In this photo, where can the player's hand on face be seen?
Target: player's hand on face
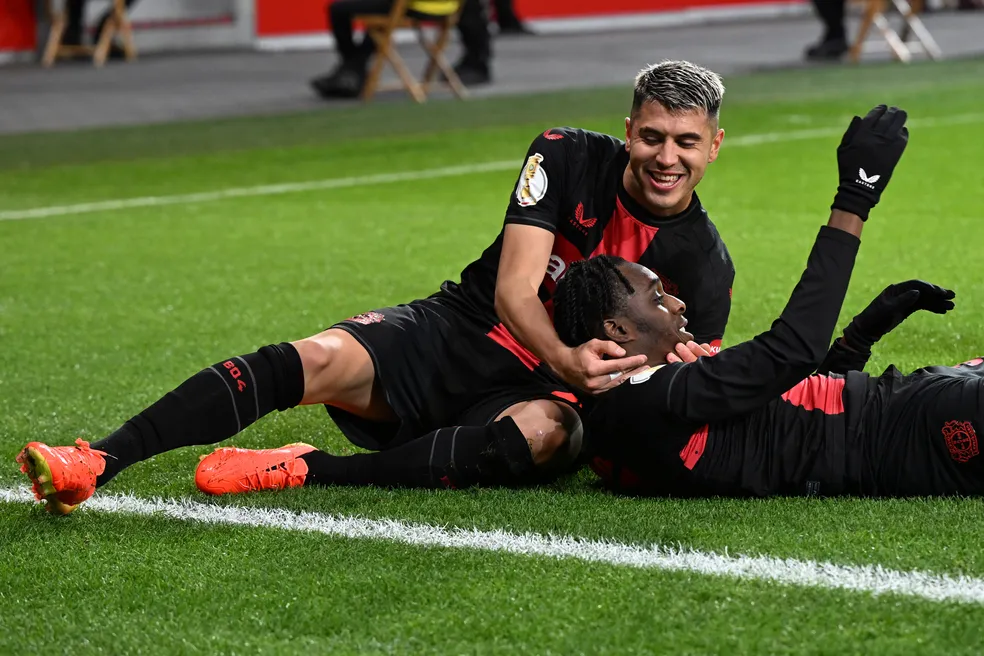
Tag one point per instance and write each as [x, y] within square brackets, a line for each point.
[588, 369]
[866, 158]
[688, 352]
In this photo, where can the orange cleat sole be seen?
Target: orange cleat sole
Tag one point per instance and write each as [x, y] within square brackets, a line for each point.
[36, 467]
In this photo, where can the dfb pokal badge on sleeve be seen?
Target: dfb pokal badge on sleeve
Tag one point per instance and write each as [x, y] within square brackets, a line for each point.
[532, 185]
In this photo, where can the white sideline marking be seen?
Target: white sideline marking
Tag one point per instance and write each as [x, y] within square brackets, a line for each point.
[405, 176]
[260, 190]
[873, 579]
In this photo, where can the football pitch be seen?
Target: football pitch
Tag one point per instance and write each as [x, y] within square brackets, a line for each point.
[132, 258]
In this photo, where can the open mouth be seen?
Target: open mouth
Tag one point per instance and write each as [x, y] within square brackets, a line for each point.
[665, 181]
[682, 330]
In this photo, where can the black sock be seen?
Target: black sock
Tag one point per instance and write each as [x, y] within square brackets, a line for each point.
[213, 405]
[455, 457]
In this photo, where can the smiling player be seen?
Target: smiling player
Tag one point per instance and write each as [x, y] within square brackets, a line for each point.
[471, 385]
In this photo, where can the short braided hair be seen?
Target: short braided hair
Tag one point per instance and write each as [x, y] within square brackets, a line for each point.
[679, 86]
[590, 292]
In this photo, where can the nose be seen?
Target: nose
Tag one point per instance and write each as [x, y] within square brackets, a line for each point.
[668, 155]
[676, 305]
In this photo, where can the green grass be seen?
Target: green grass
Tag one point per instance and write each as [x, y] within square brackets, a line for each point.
[102, 313]
[177, 588]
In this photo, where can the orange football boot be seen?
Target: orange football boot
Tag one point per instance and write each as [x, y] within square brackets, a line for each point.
[231, 471]
[65, 476]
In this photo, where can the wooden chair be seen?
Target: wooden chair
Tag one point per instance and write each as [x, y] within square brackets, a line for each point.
[380, 28]
[118, 23]
[914, 39]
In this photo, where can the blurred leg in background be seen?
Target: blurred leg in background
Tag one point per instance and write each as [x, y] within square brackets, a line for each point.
[349, 76]
[834, 44]
[74, 9]
[475, 65]
[507, 20]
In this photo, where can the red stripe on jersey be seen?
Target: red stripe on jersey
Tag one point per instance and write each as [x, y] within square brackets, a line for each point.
[564, 252]
[501, 336]
[567, 396]
[694, 449]
[818, 392]
[625, 236]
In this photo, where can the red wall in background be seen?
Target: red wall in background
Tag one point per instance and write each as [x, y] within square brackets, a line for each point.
[588, 8]
[277, 17]
[17, 25]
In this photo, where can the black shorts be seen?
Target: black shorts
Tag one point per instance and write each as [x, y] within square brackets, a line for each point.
[921, 432]
[440, 365]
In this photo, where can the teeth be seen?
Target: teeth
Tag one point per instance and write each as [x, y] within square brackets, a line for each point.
[665, 178]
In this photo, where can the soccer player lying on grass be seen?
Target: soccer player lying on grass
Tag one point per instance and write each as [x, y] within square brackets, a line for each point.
[752, 420]
[482, 356]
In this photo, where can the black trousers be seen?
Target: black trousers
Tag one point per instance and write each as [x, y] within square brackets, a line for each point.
[505, 15]
[473, 28]
[342, 12]
[831, 12]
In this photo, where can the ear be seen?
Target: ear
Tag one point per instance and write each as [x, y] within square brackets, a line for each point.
[628, 131]
[618, 330]
[715, 146]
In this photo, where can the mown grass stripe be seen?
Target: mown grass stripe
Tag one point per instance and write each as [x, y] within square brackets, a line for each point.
[406, 176]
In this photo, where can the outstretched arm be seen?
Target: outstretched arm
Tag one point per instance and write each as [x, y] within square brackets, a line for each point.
[884, 314]
[745, 377]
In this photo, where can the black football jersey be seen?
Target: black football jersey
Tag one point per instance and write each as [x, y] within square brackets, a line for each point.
[749, 421]
[571, 185]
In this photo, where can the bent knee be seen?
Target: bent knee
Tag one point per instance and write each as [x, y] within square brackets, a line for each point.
[321, 351]
[336, 366]
[552, 430]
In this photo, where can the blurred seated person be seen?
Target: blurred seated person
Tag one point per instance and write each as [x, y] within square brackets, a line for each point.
[506, 18]
[349, 76]
[474, 67]
[833, 45]
[74, 19]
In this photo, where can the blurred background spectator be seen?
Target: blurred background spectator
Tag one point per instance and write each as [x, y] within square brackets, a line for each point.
[349, 76]
[833, 44]
[475, 65]
[506, 19]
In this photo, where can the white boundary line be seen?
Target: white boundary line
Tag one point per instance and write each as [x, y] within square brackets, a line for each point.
[872, 579]
[407, 176]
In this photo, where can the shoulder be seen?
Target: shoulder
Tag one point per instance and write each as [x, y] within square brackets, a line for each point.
[571, 138]
[638, 397]
[711, 242]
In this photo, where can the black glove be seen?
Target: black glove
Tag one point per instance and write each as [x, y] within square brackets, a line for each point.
[866, 157]
[892, 307]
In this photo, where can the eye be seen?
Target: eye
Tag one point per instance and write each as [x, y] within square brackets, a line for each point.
[688, 144]
[658, 298]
